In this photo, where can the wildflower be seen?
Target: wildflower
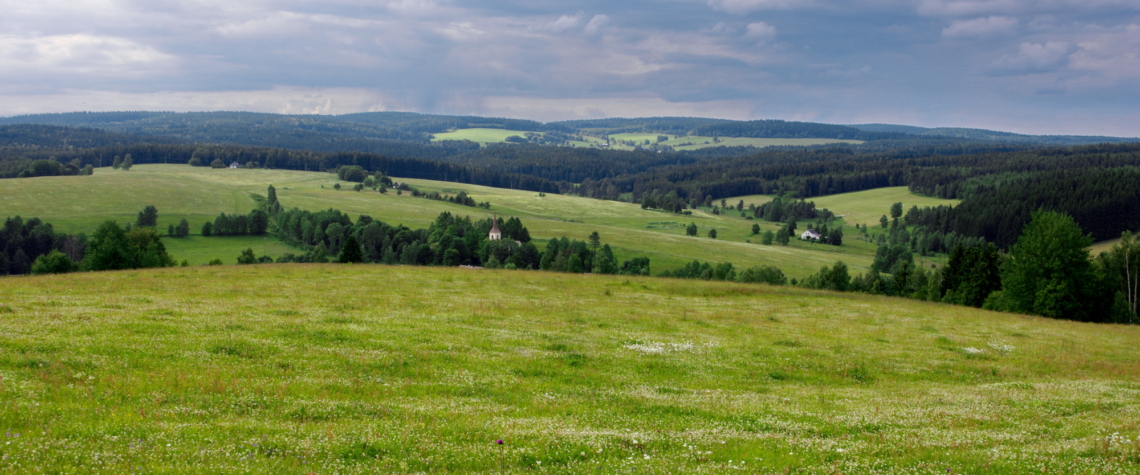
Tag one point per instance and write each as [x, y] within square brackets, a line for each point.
[500, 441]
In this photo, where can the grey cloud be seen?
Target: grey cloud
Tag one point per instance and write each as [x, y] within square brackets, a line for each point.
[760, 31]
[980, 27]
[746, 6]
[1035, 58]
[596, 23]
[813, 60]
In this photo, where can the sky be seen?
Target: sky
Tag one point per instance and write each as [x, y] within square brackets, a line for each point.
[1028, 66]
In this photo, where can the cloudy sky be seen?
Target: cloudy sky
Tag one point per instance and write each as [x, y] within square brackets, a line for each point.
[1032, 66]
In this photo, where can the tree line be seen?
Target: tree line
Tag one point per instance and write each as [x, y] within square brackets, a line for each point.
[293, 160]
[1048, 271]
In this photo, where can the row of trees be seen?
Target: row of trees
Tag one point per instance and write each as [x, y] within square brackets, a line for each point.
[404, 166]
[49, 167]
[255, 223]
[725, 271]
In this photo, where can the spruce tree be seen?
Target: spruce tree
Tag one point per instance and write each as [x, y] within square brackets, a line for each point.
[350, 252]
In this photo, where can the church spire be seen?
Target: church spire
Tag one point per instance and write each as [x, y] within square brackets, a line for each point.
[495, 234]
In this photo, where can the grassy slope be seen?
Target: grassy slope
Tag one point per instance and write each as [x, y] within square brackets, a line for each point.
[680, 142]
[375, 369]
[866, 207]
[79, 204]
[482, 136]
[1104, 246]
[198, 250]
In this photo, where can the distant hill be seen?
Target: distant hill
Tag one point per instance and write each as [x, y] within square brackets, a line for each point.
[34, 136]
[992, 135]
[408, 134]
[728, 128]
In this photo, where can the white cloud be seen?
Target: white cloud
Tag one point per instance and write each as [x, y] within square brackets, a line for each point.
[78, 53]
[276, 24]
[760, 31]
[412, 6]
[1113, 54]
[980, 27]
[596, 23]
[565, 22]
[966, 7]
[281, 100]
[694, 45]
[745, 6]
[1042, 55]
[643, 105]
[461, 31]
[721, 28]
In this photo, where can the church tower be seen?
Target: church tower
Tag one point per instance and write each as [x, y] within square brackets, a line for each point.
[495, 234]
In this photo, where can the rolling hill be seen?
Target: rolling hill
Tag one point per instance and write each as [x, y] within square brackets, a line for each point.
[79, 203]
[366, 369]
[992, 135]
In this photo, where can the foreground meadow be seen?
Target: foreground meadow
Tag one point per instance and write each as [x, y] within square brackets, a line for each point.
[377, 369]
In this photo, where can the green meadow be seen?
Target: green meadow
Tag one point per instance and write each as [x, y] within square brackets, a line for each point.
[376, 369]
[694, 142]
[482, 136]
[198, 250]
[867, 207]
[485, 136]
[79, 203]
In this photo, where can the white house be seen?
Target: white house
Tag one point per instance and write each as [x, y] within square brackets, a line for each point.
[810, 234]
[235, 165]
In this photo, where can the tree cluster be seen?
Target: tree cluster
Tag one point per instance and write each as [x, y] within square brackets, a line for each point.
[1048, 271]
[113, 247]
[22, 243]
[255, 223]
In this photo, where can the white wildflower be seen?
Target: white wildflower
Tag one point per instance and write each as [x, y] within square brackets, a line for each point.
[1001, 348]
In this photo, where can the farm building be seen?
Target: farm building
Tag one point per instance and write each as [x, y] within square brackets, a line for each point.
[810, 234]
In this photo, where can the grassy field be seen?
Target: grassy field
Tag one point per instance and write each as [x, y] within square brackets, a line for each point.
[866, 207]
[79, 204]
[198, 250]
[748, 200]
[1104, 246]
[678, 142]
[681, 142]
[482, 136]
[376, 369]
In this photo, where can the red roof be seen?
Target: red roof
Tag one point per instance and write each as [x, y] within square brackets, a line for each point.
[495, 225]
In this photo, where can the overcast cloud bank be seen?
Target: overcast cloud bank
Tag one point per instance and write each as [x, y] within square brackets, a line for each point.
[1042, 66]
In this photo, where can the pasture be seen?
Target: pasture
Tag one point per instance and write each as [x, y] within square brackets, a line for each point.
[376, 369]
[866, 207]
[693, 142]
[79, 203]
[198, 250]
[697, 142]
[485, 136]
[482, 136]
